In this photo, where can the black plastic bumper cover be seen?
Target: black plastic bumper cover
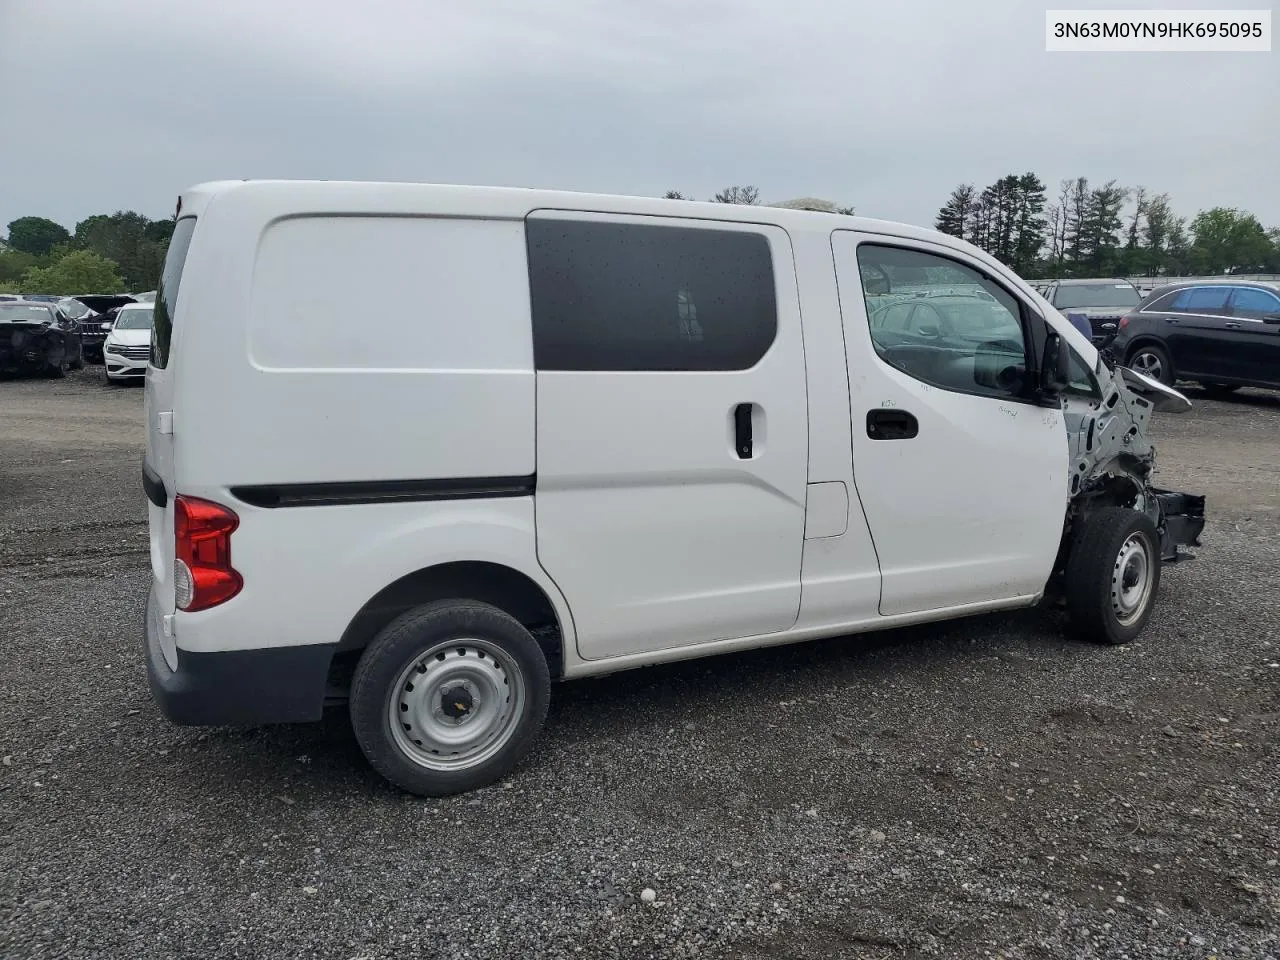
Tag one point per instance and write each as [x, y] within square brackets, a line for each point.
[239, 687]
[1182, 521]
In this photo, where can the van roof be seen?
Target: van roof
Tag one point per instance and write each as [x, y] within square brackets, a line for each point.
[501, 202]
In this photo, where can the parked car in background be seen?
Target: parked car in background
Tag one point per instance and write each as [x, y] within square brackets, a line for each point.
[37, 337]
[42, 297]
[1102, 302]
[1221, 334]
[95, 324]
[128, 345]
[148, 297]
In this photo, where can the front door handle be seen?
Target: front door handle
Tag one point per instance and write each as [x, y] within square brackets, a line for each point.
[890, 424]
[1232, 325]
[1172, 320]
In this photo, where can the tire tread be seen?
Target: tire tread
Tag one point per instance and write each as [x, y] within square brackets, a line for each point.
[388, 652]
[1087, 584]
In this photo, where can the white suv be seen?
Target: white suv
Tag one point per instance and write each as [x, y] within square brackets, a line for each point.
[606, 432]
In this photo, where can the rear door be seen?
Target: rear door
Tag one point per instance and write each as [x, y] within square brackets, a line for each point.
[671, 427]
[963, 481]
[1196, 331]
[158, 463]
[1253, 344]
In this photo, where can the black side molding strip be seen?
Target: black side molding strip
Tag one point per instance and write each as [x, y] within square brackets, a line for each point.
[153, 486]
[382, 491]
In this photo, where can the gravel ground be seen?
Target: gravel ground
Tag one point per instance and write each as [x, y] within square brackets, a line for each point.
[982, 788]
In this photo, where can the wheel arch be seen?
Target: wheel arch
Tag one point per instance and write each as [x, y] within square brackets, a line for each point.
[508, 589]
[1148, 339]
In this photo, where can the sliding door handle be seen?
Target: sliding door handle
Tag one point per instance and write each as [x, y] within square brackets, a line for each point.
[743, 442]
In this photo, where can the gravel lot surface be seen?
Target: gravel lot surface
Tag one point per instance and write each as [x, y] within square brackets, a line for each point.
[974, 789]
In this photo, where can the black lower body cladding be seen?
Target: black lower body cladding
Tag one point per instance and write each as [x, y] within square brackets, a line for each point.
[239, 687]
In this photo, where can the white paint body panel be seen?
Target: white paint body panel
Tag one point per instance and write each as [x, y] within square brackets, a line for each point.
[646, 515]
[650, 538]
[971, 509]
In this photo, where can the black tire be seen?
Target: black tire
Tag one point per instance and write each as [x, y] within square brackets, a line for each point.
[57, 370]
[401, 645]
[1148, 358]
[1096, 583]
[78, 362]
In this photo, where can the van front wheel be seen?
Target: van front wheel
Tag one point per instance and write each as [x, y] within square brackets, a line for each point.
[1113, 575]
[449, 697]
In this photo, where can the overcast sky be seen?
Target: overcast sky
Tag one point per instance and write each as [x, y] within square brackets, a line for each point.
[885, 106]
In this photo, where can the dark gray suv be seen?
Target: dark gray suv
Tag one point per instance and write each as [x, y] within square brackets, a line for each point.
[1221, 334]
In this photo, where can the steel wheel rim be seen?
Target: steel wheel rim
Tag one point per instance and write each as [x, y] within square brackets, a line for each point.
[456, 704]
[1131, 579]
[1149, 364]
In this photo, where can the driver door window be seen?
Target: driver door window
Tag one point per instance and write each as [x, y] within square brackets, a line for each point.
[943, 323]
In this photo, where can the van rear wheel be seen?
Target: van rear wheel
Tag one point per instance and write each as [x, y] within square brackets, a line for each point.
[449, 697]
[1113, 575]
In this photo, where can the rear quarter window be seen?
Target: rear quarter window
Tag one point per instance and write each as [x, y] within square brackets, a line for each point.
[167, 291]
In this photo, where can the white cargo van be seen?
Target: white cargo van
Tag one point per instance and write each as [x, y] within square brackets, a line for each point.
[575, 434]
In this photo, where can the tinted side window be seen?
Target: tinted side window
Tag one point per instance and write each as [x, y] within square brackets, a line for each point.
[962, 332]
[1163, 303]
[1201, 299]
[1252, 302]
[167, 291]
[618, 296]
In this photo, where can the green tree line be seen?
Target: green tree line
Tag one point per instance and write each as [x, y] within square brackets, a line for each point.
[1104, 230]
[107, 253]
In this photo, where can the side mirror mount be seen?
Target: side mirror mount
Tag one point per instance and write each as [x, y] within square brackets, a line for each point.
[1055, 366]
[875, 282]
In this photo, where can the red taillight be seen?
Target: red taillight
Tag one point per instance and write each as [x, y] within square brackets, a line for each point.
[203, 575]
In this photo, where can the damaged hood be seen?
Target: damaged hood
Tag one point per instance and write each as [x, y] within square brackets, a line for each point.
[101, 303]
[1162, 398]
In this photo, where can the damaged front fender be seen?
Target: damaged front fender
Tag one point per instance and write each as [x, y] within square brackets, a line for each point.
[1163, 398]
[1113, 458]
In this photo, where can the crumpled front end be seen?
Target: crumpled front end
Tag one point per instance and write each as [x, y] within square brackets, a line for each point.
[1113, 458]
[28, 347]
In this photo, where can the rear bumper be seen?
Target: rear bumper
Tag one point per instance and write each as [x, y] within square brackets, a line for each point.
[1181, 521]
[237, 687]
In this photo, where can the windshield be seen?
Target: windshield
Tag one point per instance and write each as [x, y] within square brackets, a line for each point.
[974, 319]
[24, 313]
[1096, 295]
[73, 308]
[134, 318]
